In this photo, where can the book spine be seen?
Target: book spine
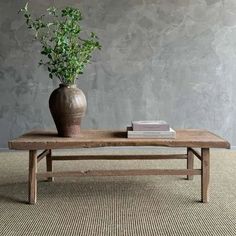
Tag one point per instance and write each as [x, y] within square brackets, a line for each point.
[152, 132]
[137, 134]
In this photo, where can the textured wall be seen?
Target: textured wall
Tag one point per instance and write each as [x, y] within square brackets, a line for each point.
[161, 59]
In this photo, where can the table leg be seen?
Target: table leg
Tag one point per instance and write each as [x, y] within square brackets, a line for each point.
[205, 176]
[32, 184]
[190, 162]
[49, 165]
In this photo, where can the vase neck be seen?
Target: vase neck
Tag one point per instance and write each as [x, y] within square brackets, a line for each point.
[68, 85]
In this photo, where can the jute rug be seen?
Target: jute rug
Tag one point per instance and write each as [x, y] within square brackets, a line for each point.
[147, 205]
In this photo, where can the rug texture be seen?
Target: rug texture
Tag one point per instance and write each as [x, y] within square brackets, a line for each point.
[115, 206]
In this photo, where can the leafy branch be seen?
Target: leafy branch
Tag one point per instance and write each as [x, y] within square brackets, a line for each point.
[65, 52]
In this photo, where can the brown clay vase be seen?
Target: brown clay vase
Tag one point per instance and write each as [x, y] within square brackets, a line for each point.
[67, 105]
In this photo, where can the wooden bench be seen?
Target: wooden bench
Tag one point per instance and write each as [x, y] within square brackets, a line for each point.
[48, 140]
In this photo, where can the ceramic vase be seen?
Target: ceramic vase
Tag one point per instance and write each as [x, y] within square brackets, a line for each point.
[67, 105]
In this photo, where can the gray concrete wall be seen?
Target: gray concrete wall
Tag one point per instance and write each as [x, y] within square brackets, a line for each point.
[161, 59]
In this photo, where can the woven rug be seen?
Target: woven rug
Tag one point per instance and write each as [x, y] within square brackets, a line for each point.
[130, 206]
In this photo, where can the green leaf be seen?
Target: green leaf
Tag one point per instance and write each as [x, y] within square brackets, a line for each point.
[41, 62]
[93, 35]
[44, 52]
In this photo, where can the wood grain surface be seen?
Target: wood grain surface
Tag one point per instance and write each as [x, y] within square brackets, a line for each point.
[48, 139]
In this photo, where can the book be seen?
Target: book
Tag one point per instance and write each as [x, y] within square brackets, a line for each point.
[150, 125]
[170, 134]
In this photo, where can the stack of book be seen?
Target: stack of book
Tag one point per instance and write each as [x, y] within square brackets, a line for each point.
[150, 129]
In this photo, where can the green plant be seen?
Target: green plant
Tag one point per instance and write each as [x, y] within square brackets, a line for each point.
[65, 52]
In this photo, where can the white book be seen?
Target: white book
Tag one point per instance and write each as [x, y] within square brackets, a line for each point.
[150, 125]
[151, 134]
[149, 122]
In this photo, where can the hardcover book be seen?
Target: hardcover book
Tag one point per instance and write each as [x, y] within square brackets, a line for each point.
[150, 125]
[171, 134]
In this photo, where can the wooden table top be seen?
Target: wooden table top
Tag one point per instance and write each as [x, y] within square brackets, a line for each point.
[48, 139]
